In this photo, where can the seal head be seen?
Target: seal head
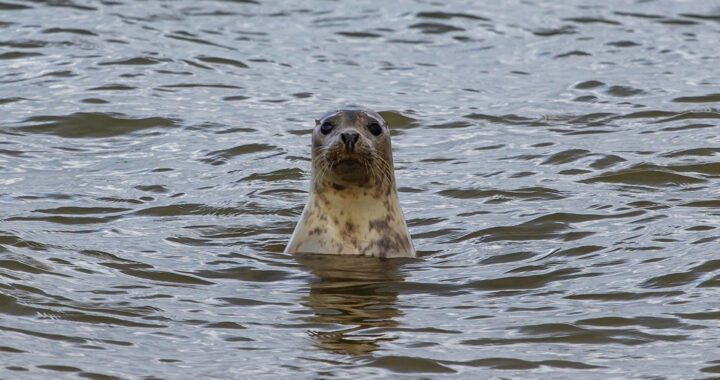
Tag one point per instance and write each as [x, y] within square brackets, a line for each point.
[353, 206]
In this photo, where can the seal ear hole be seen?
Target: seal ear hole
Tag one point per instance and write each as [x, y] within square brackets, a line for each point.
[375, 128]
[326, 127]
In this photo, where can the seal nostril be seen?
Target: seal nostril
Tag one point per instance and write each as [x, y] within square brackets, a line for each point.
[349, 139]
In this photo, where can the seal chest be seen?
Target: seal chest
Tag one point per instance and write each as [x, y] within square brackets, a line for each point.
[353, 207]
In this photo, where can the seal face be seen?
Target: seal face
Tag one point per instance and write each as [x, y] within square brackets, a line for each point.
[353, 207]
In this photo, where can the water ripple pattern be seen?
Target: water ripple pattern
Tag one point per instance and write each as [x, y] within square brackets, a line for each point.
[558, 164]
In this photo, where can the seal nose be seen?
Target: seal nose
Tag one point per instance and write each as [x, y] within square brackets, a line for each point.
[349, 139]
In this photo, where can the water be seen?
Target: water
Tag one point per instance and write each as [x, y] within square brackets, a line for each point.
[557, 164]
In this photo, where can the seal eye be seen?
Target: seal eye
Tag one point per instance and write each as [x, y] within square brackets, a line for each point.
[375, 128]
[326, 127]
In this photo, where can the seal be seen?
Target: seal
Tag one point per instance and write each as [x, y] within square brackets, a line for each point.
[353, 207]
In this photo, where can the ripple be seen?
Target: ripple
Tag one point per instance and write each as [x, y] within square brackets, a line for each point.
[607, 161]
[143, 271]
[710, 98]
[189, 37]
[708, 204]
[24, 44]
[91, 125]
[623, 296]
[451, 125]
[711, 369]
[701, 316]
[592, 20]
[508, 258]
[573, 53]
[622, 44]
[398, 119]
[105, 320]
[221, 157]
[645, 175]
[64, 219]
[578, 251]
[504, 119]
[113, 87]
[691, 115]
[529, 282]
[566, 156]
[201, 85]
[59, 368]
[11, 100]
[676, 21]
[244, 274]
[222, 61]
[530, 194]
[10, 350]
[715, 16]
[670, 280]
[19, 54]
[13, 6]
[551, 32]
[565, 333]
[359, 34]
[589, 84]
[82, 210]
[81, 32]
[638, 15]
[188, 209]
[545, 227]
[235, 98]
[405, 364]
[276, 175]
[702, 152]
[623, 91]
[518, 364]
[435, 28]
[137, 61]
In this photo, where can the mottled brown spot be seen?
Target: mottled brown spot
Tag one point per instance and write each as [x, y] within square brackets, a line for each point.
[399, 241]
[385, 245]
[338, 187]
[316, 231]
[379, 225]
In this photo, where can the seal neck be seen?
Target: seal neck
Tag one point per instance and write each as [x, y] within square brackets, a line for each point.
[372, 189]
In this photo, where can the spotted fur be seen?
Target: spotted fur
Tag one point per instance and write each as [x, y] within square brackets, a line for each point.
[353, 207]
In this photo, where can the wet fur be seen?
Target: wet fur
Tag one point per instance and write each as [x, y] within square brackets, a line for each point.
[352, 210]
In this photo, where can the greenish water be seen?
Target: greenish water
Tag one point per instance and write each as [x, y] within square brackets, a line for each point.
[557, 165]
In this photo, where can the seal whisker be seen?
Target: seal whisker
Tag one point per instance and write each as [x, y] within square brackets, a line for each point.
[383, 167]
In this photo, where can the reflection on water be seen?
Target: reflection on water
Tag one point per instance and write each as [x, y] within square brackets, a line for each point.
[352, 291]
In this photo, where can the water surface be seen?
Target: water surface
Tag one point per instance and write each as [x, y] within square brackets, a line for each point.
[557, 165]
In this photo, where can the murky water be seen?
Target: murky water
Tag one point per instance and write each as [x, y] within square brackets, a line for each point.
[557, 163]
